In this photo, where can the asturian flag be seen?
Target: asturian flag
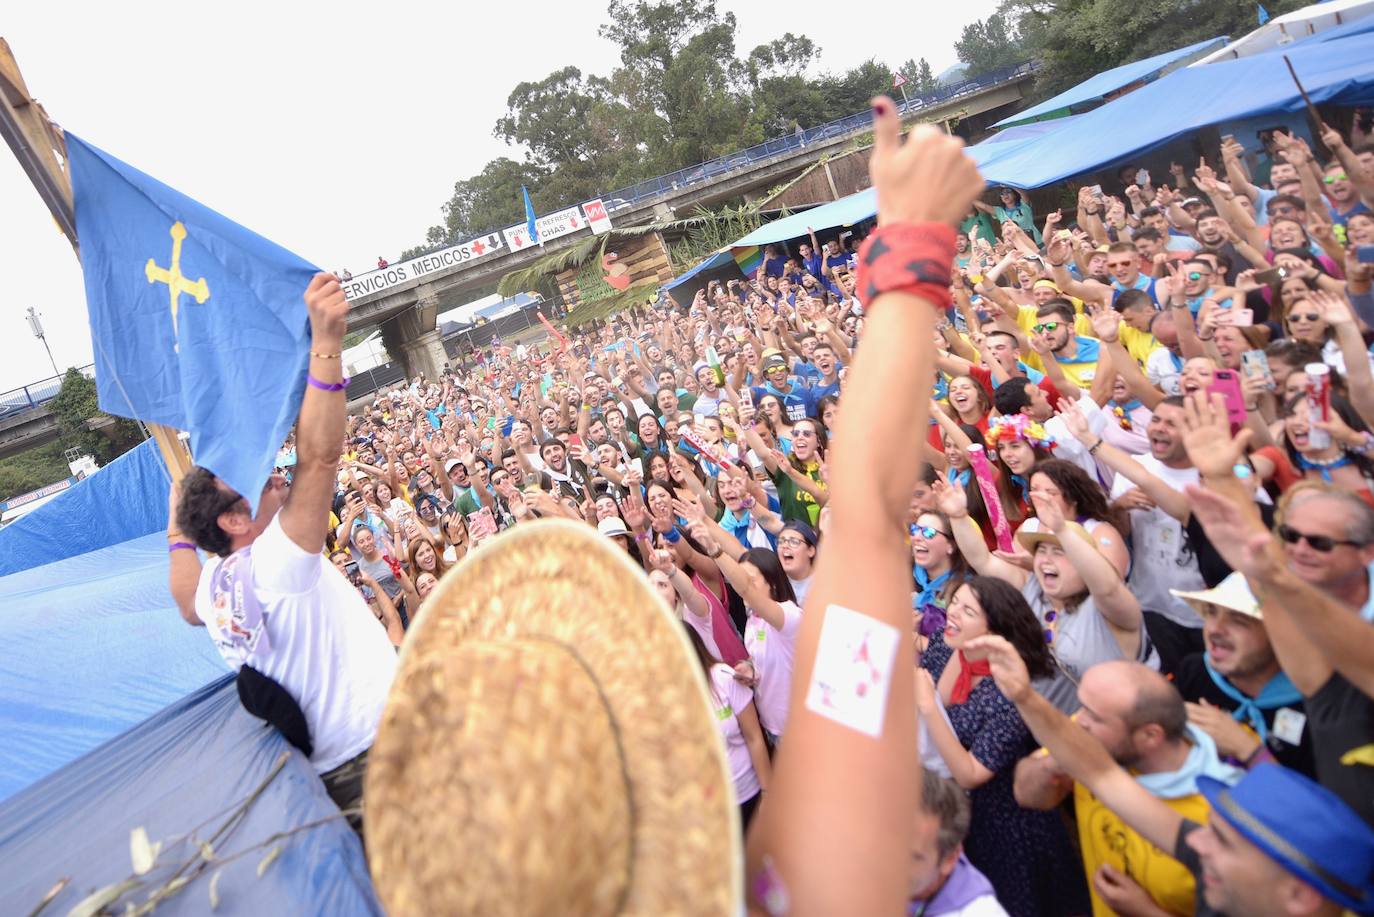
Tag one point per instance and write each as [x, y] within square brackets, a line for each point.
[197, 322]
[530, 225]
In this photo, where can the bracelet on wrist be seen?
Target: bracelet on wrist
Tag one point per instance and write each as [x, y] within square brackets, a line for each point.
[180, 546]
[326, 356]
[1092, 450]
[716, 553]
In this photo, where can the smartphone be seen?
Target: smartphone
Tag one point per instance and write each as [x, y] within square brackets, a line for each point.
[1096, 191]
[1256, 363]
[1226, 383]
[1238, 317]
[1364, 254]
[351, 571]
[1273, 275]
[1142, 177]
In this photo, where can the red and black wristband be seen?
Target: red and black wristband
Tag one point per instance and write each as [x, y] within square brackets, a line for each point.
[915, 258]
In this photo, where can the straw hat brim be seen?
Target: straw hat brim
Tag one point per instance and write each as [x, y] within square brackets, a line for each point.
[1030, 540]
[548, 745]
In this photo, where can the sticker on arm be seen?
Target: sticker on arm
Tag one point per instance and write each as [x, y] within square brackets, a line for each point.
[853, 670]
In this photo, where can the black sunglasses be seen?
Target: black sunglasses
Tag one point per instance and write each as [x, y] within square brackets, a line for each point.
[1323, 543]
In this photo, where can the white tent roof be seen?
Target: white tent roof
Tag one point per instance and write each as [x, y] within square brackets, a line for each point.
[1291, 27]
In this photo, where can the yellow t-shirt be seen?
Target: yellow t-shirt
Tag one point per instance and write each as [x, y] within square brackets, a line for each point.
[1139, 344]
[1105, 838]
[1080, 374]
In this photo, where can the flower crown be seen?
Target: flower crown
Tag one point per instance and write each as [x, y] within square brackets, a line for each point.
[1018, 427]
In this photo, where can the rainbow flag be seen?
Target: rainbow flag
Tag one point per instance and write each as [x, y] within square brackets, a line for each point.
[749, 258]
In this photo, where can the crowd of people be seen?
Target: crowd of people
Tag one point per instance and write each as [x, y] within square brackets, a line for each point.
[1141, 542]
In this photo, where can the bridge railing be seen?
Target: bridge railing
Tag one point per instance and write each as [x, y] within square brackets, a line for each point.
[36, 394]
[731, 162]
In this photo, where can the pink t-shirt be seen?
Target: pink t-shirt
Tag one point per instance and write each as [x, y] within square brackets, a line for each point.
[771, 651]
[716, 630]
[729, 698]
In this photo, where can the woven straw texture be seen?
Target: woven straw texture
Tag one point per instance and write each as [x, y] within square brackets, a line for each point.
[548, 746]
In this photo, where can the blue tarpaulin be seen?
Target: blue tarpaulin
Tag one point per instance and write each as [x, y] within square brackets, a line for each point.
[719, 259]
[189, 765]
[93, 646]
[1104, 84]
[1186, 100]
[123, 500]
[845, 212]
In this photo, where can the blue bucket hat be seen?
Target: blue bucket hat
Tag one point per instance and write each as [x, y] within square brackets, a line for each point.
[1304, 827]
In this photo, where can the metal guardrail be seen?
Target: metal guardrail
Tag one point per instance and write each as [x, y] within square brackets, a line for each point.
[36, 394]
[732, 162]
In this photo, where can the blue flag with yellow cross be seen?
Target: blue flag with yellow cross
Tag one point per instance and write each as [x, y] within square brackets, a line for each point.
[197, 323]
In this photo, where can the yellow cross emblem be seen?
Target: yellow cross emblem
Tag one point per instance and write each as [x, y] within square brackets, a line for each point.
[176, 283]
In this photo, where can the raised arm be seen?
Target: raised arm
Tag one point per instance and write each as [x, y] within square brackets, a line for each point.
[861, 861]
[305, 516]
[183, 575]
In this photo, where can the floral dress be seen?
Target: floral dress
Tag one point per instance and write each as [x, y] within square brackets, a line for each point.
[1024, 853]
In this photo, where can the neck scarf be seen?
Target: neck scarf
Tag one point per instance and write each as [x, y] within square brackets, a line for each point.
[959, 477]
[964, 886]
[1277, 692]
[929, 588]
[1202, 761]
[240, 625]
[1021, 482]
[1324, 468]
[963, 682]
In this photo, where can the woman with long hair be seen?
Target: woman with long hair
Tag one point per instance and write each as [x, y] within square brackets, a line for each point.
[746, 750]
[771, 406]
[801, 489]
[424, 559]
[828, 411]
[1344, 462]
[1087, 613]
[774, 617]
[1080, 499]
[983, 739]
[938, 569]
[1015, 444]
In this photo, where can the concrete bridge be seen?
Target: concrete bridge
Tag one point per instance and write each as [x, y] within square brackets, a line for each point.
[405, 299]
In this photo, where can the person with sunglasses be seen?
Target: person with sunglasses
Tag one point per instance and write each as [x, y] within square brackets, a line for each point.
[938, 569]
[1076, 354]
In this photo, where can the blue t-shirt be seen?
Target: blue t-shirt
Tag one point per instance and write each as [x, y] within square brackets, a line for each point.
[806, 372]
[1339, 217]
[796, 402]
[774, 267]
[819, 390]
[812, 265]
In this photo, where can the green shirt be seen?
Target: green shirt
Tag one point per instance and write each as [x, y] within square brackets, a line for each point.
[797, 504]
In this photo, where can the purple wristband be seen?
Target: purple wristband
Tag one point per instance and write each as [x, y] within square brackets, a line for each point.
[181, 546]
[326, 386]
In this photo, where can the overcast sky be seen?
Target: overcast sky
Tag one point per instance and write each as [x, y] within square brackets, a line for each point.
[336, 130]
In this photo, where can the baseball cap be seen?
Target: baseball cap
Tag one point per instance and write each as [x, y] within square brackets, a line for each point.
[774, 361]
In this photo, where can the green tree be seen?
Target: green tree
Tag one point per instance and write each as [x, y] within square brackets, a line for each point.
[76, 409]
[1075, 39]
[989, 44]
[31, 469]
[919, 76]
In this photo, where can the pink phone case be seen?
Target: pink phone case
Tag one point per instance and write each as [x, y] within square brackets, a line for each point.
[1226, 383]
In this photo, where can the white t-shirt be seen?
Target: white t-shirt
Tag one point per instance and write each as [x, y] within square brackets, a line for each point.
[1163, 372]
[1162, 558]
[1067, 447]
[800, 587]
[328, 650]
[771, 651]
[728, 699]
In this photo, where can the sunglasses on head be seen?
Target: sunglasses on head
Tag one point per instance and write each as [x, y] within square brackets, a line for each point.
[1323, 543]
[1045, 326]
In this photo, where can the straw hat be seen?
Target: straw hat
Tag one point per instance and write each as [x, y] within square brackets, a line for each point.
[548, 745]
[1030, 537]
[1232, 594]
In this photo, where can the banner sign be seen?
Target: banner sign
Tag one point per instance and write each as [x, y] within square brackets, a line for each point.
[597, 217]
[421, 267]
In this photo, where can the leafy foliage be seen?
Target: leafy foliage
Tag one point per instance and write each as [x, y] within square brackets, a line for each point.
[921, 77]
[76, 407]
[1075, 39]
[682, 93]
[990, 44]
[32, 469]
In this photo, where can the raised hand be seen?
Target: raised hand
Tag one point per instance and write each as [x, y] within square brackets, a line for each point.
[925, 179]
[328, 309]
[1208, 440]
[1008, 669]
[1107, 325]
[951, 500]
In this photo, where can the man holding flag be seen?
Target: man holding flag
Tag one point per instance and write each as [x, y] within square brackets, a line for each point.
[311, 658]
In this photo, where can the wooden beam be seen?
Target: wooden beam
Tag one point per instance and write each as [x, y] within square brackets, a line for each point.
[41, 149]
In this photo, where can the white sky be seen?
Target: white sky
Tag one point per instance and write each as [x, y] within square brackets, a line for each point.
[336, 130]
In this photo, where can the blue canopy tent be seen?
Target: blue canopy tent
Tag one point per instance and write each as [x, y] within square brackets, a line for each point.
[117, 714]
[845, 212]
[717, 260]
[1096, 89]
[1186, 100]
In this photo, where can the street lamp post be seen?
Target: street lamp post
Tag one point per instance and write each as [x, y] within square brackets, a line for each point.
[36, 325]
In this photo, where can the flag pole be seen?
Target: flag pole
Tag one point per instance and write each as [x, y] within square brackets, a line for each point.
[36, 142]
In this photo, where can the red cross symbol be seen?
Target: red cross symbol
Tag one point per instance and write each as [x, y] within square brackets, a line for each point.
[478, 248]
